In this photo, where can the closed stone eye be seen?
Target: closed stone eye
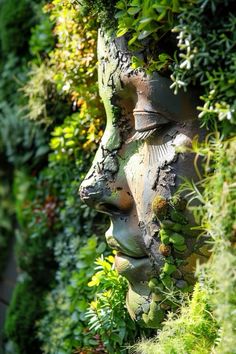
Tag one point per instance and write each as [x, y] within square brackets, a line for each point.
[139, 136]
[146, 124]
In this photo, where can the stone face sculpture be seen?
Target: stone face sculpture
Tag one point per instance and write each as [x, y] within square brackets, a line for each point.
[135, 174]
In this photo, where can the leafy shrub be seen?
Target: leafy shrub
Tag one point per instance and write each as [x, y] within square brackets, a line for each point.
[15, 15]
[13, 72]
[54, 237]
[107, 315]
[73, 60]
[6, 211]
[64, 327]
[207, 56]
[76, 133]
[37, 211]
[23, 142]
[149, 18]
[22, 316]
[44, 105]
[218, 221]
[102, 9]
[41, 41]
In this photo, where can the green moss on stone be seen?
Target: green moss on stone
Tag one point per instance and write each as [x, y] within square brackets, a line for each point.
[160, 207]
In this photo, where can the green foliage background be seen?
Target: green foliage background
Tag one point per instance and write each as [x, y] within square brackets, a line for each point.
[51, 121]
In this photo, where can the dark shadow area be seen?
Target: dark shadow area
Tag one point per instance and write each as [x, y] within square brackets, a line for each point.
[7, 284]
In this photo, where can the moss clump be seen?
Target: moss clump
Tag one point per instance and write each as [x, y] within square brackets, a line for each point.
[165, 250]
[160, 207]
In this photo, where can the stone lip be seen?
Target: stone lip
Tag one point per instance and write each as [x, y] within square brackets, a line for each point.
[125, 236]
[135, 270]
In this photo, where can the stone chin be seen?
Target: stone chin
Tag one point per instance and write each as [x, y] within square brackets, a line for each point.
[140, 301]
[145, 300]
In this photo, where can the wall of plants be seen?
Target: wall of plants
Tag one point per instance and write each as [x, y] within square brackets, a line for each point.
[69, 299]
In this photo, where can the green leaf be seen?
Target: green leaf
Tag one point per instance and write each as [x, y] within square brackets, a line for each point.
[177, 239]
[42, 150]
[121, 14]
[159, 8]
[180, 248]
[133, 10]
[165, 238]
[122, 31]
[135, 3]
[169, 268]
[161, 16]
[144, 22]
[164, 57]
[176, 6]
[144, 34]
[120, 5]
[70, 143]
[136, 62]
[167, 281]
[133, 40]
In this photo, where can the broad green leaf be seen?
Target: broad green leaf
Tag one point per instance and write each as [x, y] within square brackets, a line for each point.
[180, 248]
[121, 14]
[120, 5]
[169, 268]
[136, 2]
[177, 239]
[133, 10]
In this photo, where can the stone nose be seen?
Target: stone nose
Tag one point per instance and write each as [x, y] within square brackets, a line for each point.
[108, 199]
[108, 196]
[94, 190]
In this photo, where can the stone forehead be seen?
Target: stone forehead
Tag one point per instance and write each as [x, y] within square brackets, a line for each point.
[115, 61]
[114, 49]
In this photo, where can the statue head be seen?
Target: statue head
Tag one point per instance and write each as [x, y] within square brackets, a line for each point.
[135, 176]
